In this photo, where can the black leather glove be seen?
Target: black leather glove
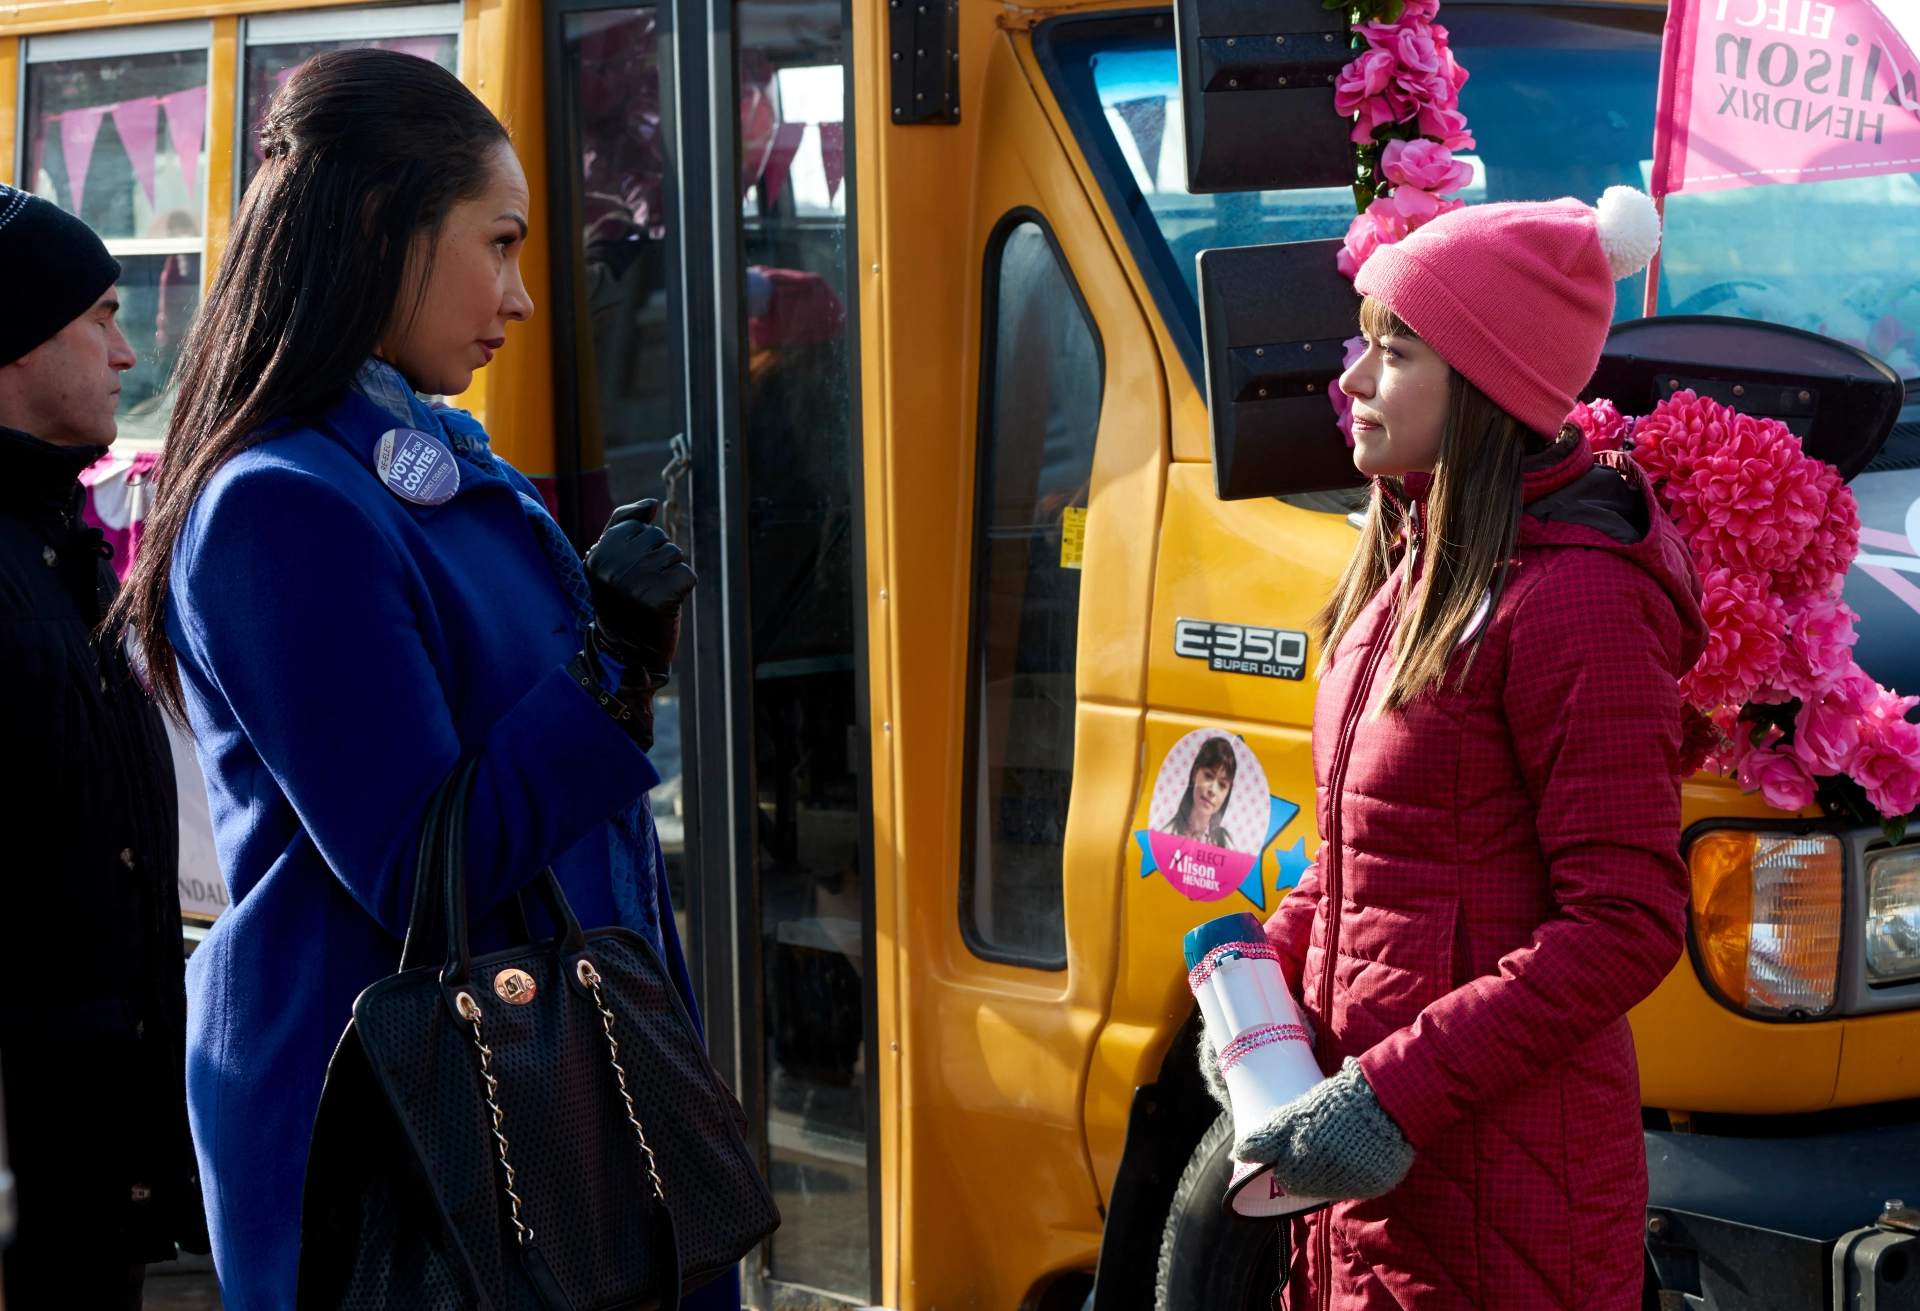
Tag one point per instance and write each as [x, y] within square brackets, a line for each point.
[639, 580]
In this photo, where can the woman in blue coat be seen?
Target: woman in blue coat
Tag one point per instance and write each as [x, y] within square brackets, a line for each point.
[346, 593]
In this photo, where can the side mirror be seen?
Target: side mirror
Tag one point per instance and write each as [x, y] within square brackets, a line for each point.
[1840, 401]
[1274, 321]
[1256, 94]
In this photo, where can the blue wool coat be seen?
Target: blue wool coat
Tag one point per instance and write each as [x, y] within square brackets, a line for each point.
[341, 649]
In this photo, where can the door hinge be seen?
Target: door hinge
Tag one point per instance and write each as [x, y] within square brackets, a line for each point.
[925, 40]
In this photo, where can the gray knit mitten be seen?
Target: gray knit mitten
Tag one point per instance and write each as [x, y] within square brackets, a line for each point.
[1210, 1070]
[1333, 1142]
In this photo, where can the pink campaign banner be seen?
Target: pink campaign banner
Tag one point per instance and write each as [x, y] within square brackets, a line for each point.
[1755, 91]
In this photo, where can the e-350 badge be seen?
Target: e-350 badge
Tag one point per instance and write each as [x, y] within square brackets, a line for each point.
[1242, 648]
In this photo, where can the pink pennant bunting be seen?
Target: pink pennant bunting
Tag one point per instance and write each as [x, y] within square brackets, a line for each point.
[79, 129]
[139, 125]
[758, 124]
[786, 143]
[186, 123]
[833, 154]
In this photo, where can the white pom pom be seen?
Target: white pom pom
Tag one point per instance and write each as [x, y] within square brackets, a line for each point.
[1629, 230]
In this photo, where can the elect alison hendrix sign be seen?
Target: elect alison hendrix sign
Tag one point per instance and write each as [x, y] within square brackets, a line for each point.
[1808, 79]
[1242, 648]
[1769, 91]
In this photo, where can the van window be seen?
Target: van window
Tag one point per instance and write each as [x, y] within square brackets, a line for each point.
[619, 363]
[1039, 410]
[1560, 98]
[278, 44]
[800, 444]
[114, 128]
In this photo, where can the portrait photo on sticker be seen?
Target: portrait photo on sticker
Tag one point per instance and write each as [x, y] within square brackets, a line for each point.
[1212, 792]
[1209, 818]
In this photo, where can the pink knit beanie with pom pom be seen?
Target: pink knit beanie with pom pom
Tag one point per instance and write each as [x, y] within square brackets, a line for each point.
[1518, 296]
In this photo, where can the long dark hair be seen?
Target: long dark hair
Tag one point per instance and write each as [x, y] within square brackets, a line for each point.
[1215, 753]
[366, 151]
[1473, 514]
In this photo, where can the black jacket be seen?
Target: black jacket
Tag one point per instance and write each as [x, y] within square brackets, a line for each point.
[93, 1017]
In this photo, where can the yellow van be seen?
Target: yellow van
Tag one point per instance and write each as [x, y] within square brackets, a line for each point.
[895, 301]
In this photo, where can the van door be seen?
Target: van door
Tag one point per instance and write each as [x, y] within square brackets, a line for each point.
[1017, 530]
[700, 186]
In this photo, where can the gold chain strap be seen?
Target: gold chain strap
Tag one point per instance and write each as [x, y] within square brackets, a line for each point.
[591, 978]
[471, 1010]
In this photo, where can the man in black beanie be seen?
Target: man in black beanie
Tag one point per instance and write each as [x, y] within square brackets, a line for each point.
[92, 1035]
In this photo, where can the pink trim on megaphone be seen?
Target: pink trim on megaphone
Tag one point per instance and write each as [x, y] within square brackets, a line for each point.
[1254, 1039]
[1210, 962]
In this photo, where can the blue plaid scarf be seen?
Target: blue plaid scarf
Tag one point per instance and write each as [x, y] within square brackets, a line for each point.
[632, 844]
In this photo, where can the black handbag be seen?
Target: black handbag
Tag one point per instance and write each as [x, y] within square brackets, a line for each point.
[536, 1130]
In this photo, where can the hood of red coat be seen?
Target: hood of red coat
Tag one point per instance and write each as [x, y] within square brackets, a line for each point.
[1576, 499]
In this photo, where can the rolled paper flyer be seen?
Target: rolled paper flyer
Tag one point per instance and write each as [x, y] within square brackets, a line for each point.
[1265, 1055]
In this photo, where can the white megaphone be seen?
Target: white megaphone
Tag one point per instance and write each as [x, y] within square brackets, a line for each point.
[1265, 1056]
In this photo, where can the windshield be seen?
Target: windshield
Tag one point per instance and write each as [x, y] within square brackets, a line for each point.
[1561, 103]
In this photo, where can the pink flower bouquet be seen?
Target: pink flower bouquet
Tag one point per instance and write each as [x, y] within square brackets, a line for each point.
[1773, 531]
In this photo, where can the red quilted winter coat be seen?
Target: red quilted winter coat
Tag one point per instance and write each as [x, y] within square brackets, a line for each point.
[1504, 860]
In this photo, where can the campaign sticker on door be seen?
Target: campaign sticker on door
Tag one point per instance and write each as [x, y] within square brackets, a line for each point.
[416, 466]
[1211, 819]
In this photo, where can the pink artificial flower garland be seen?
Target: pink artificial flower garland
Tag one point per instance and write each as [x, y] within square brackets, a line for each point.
[1772, 531]
[1403, 94]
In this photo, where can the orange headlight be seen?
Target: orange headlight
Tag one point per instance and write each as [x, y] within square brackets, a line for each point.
[1766, 918]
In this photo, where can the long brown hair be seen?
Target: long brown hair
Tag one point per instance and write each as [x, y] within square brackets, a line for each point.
[1472, 516]
[366, 152]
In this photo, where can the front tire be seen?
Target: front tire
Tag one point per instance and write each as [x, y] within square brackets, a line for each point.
[1209, 1260]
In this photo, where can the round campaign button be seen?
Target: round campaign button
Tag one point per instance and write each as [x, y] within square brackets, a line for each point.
[416, 466]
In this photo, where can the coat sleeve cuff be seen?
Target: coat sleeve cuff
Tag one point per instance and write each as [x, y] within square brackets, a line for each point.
[598, 747]
[555, 767]
[1408, 1088]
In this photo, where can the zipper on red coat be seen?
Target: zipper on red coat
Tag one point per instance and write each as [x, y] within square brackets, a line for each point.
[1336, 892]
[1343, 756]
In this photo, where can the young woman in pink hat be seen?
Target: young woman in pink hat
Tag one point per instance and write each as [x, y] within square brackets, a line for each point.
[1497, 743]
